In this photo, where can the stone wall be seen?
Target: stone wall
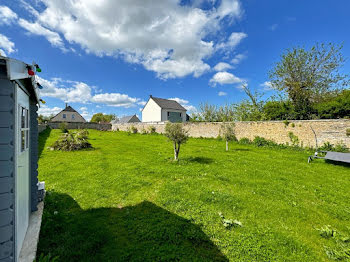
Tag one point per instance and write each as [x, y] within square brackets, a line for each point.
[41, 127]
[86, 125]
[333, 131]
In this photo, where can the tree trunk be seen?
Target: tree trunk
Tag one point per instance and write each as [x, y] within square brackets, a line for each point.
[226, 145]
[175, 152]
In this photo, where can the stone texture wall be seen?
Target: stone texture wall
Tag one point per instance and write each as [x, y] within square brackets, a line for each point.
[41, 127]
[87, 125]
[333, 131]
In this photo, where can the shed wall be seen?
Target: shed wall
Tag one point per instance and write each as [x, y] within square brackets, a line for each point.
[7, 169]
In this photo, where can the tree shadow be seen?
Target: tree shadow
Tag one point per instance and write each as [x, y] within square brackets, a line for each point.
[144, 232]
[241, 149]
[43, 136]
[200, 160]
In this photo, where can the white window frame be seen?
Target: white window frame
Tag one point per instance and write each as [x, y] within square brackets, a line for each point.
[64, 116]
[25, 129]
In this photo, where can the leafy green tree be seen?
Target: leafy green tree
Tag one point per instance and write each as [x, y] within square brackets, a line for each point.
[102, 118]
[42, 119]
[308, 76]
[178, 135]
[337, 106]
[227, 132]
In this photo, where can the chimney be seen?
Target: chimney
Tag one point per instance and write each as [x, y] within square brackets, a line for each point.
[150, 96]
[66, 105]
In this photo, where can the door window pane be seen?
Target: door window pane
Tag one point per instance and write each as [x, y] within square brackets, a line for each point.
[23, 117]
[23, 140]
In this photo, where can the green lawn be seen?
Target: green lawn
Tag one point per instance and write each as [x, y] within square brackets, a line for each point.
[126, 200]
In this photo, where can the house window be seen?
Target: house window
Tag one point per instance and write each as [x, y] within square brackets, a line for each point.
[168, 113]
[64, 116]
[180, 114]
[24, 130]
[73, 116]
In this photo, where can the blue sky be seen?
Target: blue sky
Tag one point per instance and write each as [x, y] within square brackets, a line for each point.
[109, 56]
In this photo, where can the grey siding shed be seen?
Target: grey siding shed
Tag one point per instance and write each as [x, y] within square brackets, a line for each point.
[7, 167]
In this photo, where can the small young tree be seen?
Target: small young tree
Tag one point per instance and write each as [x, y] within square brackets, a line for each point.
[228, 133]
[178, 135]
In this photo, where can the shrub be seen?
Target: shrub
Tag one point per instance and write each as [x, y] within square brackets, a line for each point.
[348, 132]
[152, 129]
[260, 141]
[63, 126]
[244, 141]
[178, 135]
[228, 133]
[143, 131]
[293, 139]
[72, 142]
[327, 147]
[341, 147]
[132, 129]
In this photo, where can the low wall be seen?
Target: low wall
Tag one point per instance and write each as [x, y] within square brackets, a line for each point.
[86, 125]
[333, 131]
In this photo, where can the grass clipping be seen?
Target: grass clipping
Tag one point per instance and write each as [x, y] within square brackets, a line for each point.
[72, 141]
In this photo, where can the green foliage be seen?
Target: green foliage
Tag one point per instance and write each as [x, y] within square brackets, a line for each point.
[177, 134]
[244, 141]
[327, 232]
[43, 119]
[335, 106]
[227, 132]
[308, 76]
[143, 131]
[339, 147]
[132, 129]
[293, 139]
[46, 258]
[72, 141]
[63, 127]
[260, 141]
[151, 129]
[347, 132]
[102, 118]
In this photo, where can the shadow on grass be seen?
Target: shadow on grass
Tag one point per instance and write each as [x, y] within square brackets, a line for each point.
[43, 136]
[200, 160]
[337, 163]
[144, 232]
[241, 149]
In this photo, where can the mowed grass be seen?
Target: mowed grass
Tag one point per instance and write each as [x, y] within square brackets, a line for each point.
[126, 200]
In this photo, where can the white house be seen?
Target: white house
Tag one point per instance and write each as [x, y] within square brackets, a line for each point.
[18, 156]
[68, 115]
[160, 109]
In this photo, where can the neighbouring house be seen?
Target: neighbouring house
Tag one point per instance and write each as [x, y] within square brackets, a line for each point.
[18, 156]
[126, 119]
[68, 115]
[160, 109]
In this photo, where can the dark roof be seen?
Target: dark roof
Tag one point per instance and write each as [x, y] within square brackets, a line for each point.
[125, 119]
[69, 109]
[168, 104]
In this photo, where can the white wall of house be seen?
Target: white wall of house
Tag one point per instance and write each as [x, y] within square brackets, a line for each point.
[67, 116]
[165, 114]
[152, 112]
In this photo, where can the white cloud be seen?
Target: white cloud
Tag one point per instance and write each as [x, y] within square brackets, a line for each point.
[267, 85]
[238, 58]
[224, 78]
[48, 111]
[37, 29]
[7, 16]
[116, 100]
[185, 103]
[234, 40]
[222, 93]
[67, 91]
[84, 108]
[165, 36]
[222, 66]
[273, 27]
[6, 45]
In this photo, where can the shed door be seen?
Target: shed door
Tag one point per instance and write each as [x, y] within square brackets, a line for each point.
[22, 174]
